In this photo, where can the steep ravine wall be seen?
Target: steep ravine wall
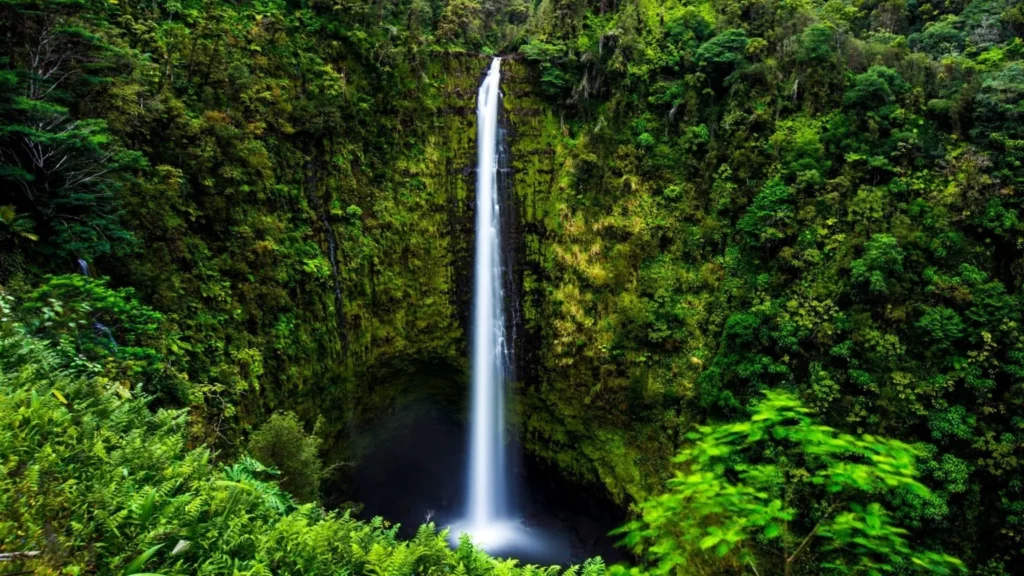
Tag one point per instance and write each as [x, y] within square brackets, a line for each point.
[408, 305]
[407, 301]
[556, 419]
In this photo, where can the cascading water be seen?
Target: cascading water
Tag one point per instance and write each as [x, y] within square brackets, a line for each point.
[489, 350]
[489, 521]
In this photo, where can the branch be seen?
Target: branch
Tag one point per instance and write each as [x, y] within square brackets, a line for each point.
[807, 539]
[9, 556]
[804, 544]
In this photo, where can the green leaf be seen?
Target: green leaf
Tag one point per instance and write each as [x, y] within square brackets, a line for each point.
[60, 397]
[137, 564]
[709, 541]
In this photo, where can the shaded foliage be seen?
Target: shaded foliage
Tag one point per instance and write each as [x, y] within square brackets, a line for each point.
[817, 196]
[93, 480]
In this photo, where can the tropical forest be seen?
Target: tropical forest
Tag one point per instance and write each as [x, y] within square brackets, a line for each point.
[511, 287]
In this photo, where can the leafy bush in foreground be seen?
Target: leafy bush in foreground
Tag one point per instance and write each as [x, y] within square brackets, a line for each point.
[730, 508]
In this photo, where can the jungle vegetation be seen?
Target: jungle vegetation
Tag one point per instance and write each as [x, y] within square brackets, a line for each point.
[771, 256]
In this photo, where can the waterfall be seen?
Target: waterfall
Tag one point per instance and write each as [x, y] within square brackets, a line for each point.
[491, 520]
[490, 355]
[83, 266]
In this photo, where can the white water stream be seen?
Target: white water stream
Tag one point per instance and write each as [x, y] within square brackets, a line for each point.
[489, 520]
[487, 498]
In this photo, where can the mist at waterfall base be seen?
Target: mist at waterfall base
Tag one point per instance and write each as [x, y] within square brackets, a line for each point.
[416, 471]
[493, 516]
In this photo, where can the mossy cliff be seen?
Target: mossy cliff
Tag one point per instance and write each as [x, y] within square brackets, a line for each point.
[406, 282]
[551, 420]
[573, 401]
[274, 202]
[395, 354]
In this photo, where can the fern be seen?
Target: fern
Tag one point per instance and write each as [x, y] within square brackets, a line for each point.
[130, 506]
[594, 567]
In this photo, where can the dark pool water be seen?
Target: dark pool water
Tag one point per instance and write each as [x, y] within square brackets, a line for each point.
[415, 472]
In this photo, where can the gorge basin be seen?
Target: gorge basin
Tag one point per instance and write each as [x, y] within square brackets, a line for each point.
[416, 472]
[419, 470]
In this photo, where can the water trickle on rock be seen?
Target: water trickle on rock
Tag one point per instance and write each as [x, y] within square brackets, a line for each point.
[103, 330]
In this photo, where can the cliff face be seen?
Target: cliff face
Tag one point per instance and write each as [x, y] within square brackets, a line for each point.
[408, 283]
[563, 415]
[408, 320]
[354, 295]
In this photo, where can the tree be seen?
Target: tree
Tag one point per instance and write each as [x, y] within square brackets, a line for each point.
[723, 53]
[460, 21]
[940, 38]
[876, 88]
[725, 49]
[880, 265]
[59, 166]
[780, 493]
[282, 443]
[769, 219]
[999, 116]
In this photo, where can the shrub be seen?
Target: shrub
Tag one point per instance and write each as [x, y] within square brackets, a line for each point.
[282, 443]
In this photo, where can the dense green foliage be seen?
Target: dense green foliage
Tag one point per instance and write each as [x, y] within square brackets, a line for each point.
[730, 508]
[93, 480]
[815, 196]
[715, 199]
